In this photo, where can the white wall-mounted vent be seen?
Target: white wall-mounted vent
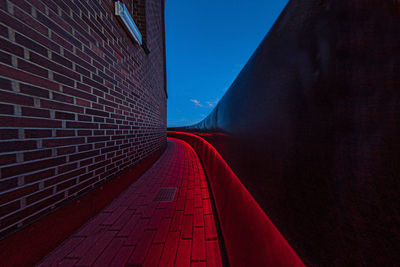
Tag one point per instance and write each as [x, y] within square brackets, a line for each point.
[126, 19]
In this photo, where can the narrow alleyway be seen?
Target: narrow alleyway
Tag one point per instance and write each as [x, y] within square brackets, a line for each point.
[163, 219]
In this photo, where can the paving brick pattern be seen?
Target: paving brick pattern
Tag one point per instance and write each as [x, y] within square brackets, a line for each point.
[135, 230]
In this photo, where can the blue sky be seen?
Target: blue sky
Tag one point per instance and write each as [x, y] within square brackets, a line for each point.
[207, 43]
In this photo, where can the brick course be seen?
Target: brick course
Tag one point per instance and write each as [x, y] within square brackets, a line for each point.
[79, 100]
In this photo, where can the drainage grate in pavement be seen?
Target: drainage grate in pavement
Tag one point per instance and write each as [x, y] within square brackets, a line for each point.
[165, 194]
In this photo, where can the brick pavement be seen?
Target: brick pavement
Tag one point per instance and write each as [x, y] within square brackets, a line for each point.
[135, 230]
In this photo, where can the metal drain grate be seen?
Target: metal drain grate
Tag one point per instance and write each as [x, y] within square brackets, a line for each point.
[165, 194]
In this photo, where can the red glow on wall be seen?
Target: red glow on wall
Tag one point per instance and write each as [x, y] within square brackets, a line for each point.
[251, 239]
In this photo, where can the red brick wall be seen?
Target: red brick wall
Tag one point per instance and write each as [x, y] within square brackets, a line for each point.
[79, 101]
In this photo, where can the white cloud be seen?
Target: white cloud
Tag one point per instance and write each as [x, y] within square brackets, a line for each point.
[211, 104]
[196, 102]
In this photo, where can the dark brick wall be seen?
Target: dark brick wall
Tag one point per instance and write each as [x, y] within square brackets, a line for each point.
[79, 101]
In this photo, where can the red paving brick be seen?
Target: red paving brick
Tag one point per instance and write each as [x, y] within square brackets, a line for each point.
[109, 253]
[154, 255]
[184, 252]
[199, 245]
[139, 255]
[187, 227]
[213, 254]
[162, 231]
[170, 249]
[198, 217]
[134, 230]
[211, 232]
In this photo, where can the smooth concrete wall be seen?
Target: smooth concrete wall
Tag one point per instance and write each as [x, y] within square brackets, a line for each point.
[311, 128]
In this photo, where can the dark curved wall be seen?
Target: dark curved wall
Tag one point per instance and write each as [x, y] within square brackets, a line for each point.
[311, 127]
